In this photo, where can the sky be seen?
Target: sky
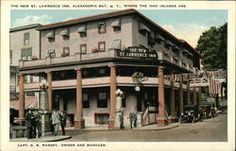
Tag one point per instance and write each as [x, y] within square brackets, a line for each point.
[184, 24]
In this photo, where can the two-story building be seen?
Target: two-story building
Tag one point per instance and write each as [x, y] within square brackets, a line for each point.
[24, 45]
[84, 61]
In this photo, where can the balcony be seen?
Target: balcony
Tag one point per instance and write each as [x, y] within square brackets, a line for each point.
[96, 82]
[68, 59]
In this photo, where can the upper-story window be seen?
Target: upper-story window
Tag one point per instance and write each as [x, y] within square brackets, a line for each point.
[116, 44]
[116, 24]
[65, 34]
[26, 53]
[101, 27]
[51, 36]
[159, 38]
[151, 39]
[66, 52]
[101, 46]
[143, 29]
[168, 44]
[82, 30]
[83, 49]
[10, 56]
[26, 39]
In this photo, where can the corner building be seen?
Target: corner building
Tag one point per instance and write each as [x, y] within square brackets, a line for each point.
[85, 61]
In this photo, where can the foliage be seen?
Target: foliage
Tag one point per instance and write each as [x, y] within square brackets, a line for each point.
[212, 46]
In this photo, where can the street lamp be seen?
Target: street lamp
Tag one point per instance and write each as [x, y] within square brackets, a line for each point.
[43, 85]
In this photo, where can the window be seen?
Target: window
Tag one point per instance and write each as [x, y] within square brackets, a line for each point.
[26, 53]
[116, 44]
[65, 34]
[82, 30]
[102, 100]
[83, 49]
[116, 24]
[51, 36]
[101, 27]
[51, 53]
[143, 29]
[26, 39]
[10, 56]
[85, 98]
[101, 46]
[101, 118]
[66, 52]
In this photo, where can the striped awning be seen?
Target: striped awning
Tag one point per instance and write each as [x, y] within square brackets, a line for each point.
[144, 27]
[116, 22]
[50, 34]
[65, 32]
[82, 29]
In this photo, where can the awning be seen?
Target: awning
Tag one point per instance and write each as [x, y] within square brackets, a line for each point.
[50, 34]
[30, 102]
[65, 32]
[116, 23]
[159, 37]
[116, 44]
[168, 43]
[101, 23]
[144, 27]
[82, 29]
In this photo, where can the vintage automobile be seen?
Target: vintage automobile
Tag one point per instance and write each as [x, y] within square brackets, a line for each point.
[208, 109]
[191, 114]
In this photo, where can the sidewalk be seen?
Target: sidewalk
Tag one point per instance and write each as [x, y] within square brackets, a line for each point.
[42, 139]
[105, 128]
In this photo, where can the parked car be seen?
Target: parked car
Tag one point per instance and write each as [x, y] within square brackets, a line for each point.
[208, 109]
[191, 114]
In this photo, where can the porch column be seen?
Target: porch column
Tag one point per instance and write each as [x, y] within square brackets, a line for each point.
[172, 99]
[49, 81]
[188, 90]
[161, 118]
[21, 99]
[181, 101]
[194, 96]
[111, 121]
[79, 121]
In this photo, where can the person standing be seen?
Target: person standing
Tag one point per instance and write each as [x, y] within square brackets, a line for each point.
[55, 122]
[38, 123]
[131, 119]
[63, 121]
[28, 123]
[135, 119]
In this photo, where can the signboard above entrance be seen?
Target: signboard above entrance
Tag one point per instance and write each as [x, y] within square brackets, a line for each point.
[137, 52]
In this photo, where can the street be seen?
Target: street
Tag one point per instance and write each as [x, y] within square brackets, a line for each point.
[214, 129]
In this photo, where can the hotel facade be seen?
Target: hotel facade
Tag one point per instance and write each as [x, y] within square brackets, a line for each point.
[83, 62]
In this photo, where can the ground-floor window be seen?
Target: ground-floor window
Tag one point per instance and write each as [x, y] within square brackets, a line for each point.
[101, 118]
[102, 100]
[85, 98]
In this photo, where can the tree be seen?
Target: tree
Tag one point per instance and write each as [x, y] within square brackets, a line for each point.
[212, 46]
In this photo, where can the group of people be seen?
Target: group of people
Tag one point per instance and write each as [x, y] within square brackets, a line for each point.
[33, 123]
[132, 119]
[58, 119]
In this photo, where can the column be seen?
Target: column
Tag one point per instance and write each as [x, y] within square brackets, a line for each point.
[111, 121]
[181, 101]
[161, 118]
[188, 91]
[194, 96]
[172, 101]
[79, 121]
[21, 99]
[49, 81]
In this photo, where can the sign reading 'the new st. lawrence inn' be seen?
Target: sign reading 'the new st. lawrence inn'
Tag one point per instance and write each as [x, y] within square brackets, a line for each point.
[137, 52]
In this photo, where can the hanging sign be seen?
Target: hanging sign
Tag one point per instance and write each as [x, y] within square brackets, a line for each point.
[137, 52]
